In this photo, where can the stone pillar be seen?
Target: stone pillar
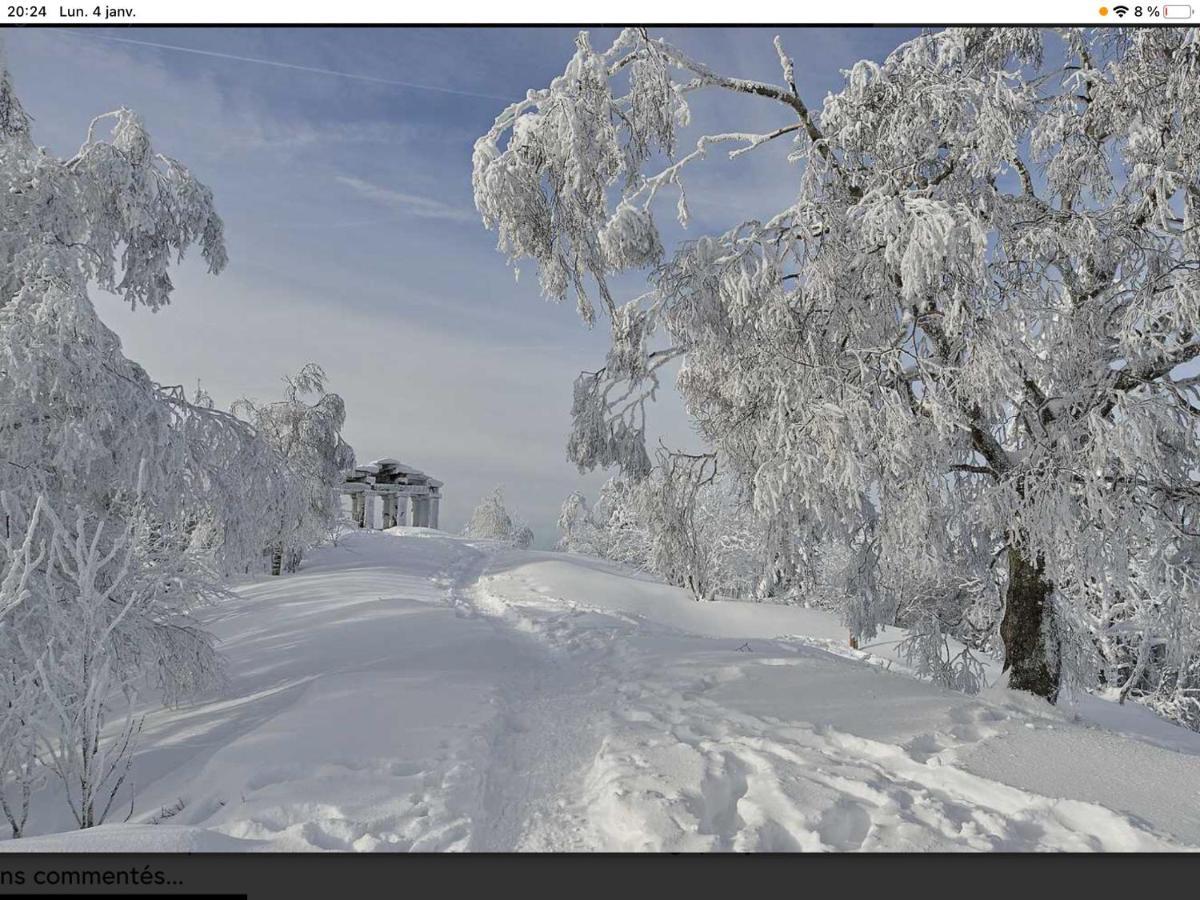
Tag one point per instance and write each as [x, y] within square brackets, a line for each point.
[401, 509]
[369, 509]
[434, 502]
[389, 510]
[358, 509]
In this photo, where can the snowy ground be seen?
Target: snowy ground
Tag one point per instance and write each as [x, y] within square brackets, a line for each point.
[413, 691]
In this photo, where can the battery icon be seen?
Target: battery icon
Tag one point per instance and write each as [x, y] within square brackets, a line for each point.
[1177, 11]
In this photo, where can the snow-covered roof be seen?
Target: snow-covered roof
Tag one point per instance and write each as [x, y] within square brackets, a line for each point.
[387, 471]
[395, 465]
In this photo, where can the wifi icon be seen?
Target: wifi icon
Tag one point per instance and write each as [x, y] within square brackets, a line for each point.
[1121, 11]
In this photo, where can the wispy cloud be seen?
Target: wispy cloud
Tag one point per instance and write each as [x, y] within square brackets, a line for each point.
[412, 204]
[264, 133]
[391, 82]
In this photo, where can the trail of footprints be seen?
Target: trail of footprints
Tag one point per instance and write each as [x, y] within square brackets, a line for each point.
[413, 813]
[771, 785]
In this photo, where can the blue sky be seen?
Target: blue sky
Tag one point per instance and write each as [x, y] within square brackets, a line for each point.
[352, 234]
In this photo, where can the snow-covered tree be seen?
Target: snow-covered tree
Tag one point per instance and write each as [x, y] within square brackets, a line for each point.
[961, 345]
[80, 423]
[95, 615]
[241, 487]
[490, 520]
[21, 556]
[613, 529]
[575, 524]
[90, 668]
[743, 562]
[304, 430]
[683, 522]
[678, 547]
[124, 501]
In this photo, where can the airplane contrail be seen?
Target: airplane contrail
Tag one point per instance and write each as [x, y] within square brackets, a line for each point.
[285, 65]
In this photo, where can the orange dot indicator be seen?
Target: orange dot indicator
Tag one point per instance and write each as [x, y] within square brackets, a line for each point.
[1104, 10]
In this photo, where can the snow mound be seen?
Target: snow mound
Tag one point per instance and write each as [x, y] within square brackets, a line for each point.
[128, 838]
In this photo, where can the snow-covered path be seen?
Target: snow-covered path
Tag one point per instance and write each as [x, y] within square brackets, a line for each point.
[728, 727]
[413, 691]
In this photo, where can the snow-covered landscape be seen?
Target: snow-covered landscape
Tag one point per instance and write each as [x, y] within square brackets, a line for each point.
[410, 690]
[878, 522]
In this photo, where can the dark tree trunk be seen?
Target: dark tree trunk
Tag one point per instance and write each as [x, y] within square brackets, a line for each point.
[1023, 629]
[276, 560]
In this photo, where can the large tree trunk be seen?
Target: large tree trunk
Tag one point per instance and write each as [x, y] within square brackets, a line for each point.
[1023, 629]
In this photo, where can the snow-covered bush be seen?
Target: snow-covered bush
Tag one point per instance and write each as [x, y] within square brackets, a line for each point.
[682, 523]
[1173, 690]
[681, 549]
[613, 529]
[961, 344]
[575, 525]
[306, 438]
[491, 521]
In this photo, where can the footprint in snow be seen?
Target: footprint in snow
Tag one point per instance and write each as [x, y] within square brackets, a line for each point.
[844, 826]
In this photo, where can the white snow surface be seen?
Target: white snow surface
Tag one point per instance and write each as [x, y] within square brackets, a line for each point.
[412, 691]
